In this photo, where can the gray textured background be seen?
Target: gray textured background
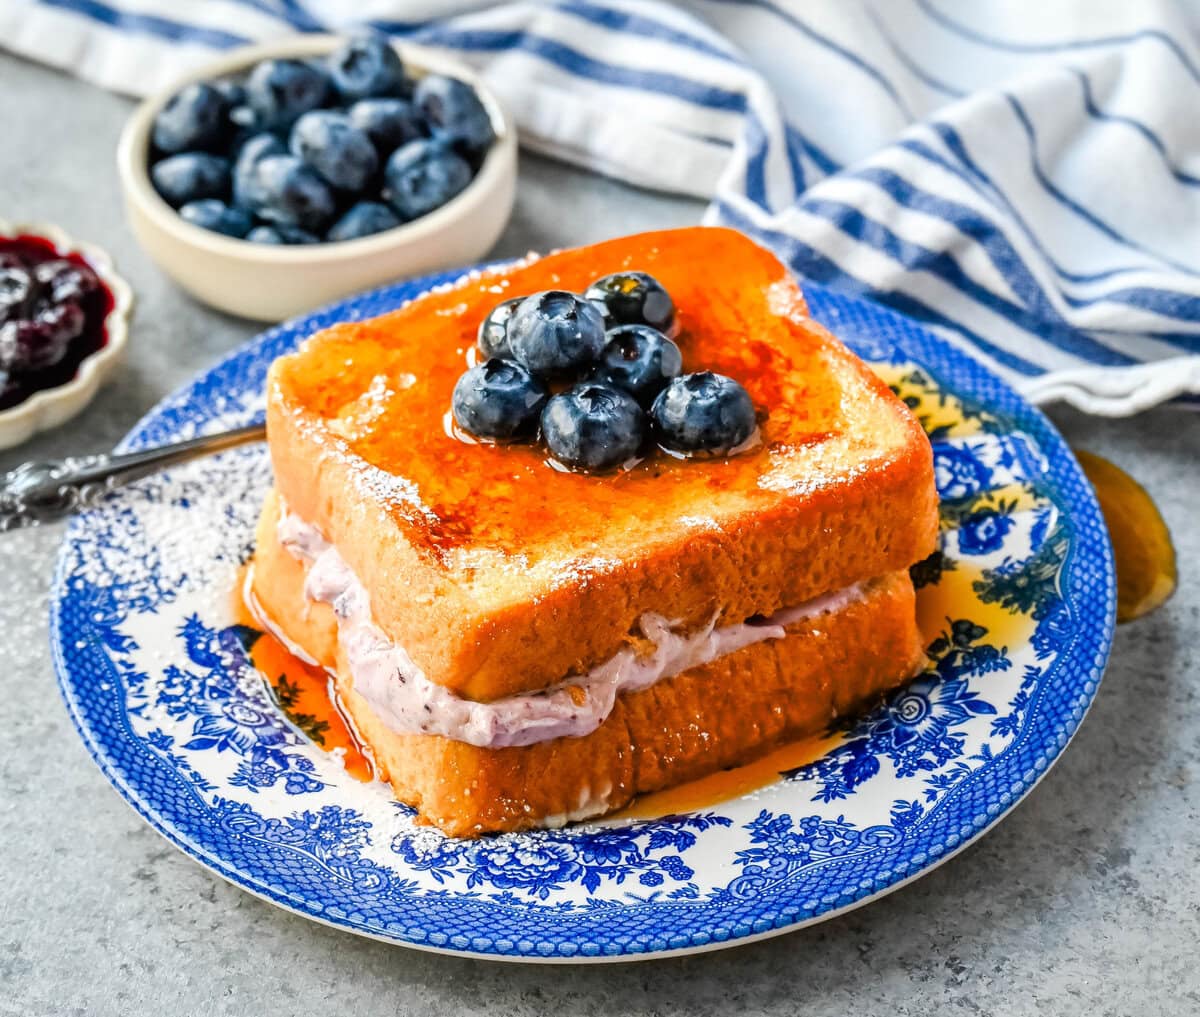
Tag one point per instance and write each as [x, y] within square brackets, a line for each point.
[1085, 901]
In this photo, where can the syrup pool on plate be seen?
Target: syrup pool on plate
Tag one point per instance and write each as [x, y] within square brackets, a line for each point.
[1145, 557]
[305, 694]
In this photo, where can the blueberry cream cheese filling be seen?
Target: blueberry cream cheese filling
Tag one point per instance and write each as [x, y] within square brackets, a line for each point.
[407, 702]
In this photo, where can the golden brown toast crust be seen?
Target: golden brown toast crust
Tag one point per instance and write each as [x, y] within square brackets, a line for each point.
[722, 714]
[500, 575]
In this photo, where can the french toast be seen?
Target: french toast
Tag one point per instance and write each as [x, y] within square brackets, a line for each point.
[684, 614]
[500, 576]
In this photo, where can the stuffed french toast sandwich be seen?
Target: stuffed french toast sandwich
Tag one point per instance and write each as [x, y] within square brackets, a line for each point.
[592, 525]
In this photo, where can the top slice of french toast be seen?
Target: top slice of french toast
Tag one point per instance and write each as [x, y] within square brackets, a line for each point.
[499, 574]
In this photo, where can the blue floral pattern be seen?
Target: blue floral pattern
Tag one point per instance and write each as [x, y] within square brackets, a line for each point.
[984, 531]
[959, 472]
[919, 729]
[218, 699]
[159, 682]
[543, 861]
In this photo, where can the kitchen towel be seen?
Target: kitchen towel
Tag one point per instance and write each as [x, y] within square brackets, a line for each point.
[1024, 177]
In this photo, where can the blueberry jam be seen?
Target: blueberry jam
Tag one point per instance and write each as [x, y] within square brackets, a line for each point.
[52, 312]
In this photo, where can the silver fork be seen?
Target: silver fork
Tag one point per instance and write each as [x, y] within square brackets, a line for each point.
[44, 491]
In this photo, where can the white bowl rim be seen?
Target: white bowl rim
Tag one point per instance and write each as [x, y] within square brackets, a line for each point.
[134, 146]
[95, 366]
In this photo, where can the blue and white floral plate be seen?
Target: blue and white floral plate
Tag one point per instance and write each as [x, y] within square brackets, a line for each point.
[1018, 606]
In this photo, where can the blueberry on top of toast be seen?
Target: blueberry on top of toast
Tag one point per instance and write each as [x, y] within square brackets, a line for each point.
[593, 426]
[493, 330]
[555, 334]
[499, 399]
[703, 412]
[633, 298]
[639, 359]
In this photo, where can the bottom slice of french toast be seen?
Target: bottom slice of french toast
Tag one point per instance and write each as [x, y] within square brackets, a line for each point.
[720, 714]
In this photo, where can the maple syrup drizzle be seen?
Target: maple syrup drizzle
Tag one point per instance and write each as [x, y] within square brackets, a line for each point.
[457, 494]
[706, 792]
[1145, 557]
[305, 693]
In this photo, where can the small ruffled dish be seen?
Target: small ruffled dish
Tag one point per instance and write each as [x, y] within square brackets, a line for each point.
[61, 399]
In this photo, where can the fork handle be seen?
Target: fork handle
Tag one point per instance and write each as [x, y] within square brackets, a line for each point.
[44, 491]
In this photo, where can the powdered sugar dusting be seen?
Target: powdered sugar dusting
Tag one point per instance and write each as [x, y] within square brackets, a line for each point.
[699, 522]
[389, 490]
[579, 572]
[785, 300]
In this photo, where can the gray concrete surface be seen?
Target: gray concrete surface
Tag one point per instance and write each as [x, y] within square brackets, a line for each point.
[1085, 901]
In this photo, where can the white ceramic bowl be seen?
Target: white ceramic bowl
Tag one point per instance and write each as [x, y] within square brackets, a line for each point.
[51, 407]
[270, 283]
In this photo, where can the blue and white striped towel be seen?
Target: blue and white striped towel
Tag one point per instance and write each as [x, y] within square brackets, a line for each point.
[1023, 176]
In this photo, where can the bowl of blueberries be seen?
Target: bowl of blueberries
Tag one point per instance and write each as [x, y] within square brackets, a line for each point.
[289, 174]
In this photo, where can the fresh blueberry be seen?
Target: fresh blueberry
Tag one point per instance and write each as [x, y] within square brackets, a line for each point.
[703, 412]
[633, 298]
[190, 176]
[280, 234]
[247, 191]
[234, 92]
[367, 65]
[63, 281]
[287, 192]
[16, 291]
[555, 334]
[493, 330]
[243, 125]
[340, 153]
[498, 399]
[194, 118]
[362, 220]
[593, 427]
[389, 123]
[423, 175]
[454, 112]
[639, 359]
[245, 121]
[295, 235]
[279, 91]
[214, 215]
[265, 235]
